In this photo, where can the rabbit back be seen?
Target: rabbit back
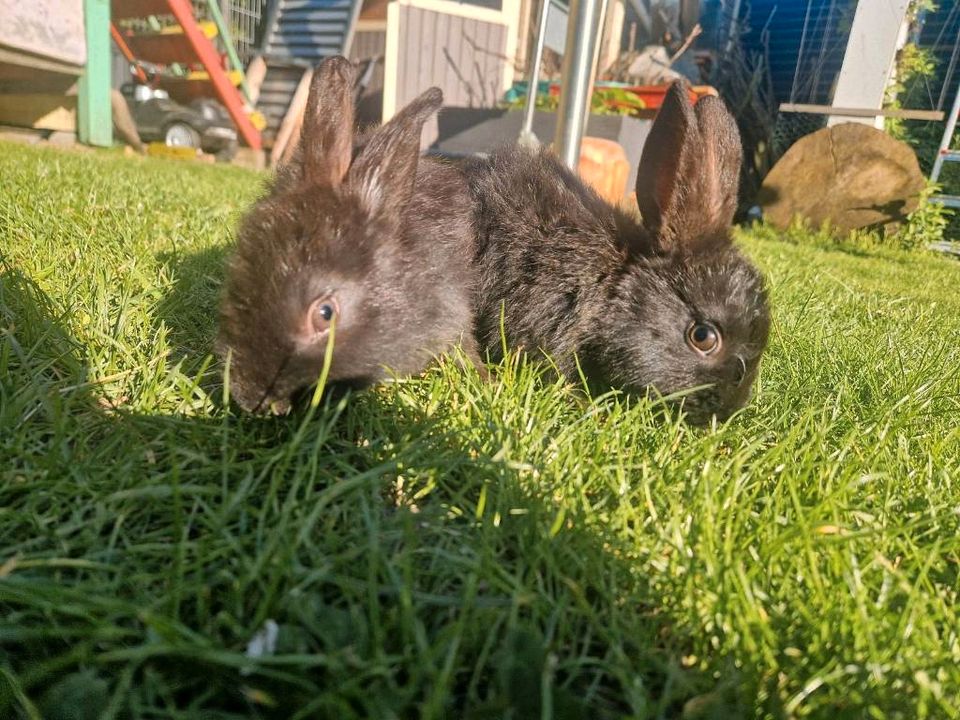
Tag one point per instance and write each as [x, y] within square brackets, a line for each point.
[660, 302]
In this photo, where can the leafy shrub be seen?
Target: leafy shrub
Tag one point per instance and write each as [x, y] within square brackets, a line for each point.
[926, 224]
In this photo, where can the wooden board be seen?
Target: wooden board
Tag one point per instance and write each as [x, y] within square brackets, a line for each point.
[40, 111]
[124, 9]
[52, 29]
[935, 115]
[16, 65]
[256, 72]
[289, 132]
[170, 46]
[868, 60]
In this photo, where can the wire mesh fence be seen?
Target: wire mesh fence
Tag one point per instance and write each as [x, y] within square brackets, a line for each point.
[244, 18]
[790, 127]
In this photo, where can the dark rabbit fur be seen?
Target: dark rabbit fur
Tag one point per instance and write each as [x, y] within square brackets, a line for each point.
[631, 301]
[379, 243]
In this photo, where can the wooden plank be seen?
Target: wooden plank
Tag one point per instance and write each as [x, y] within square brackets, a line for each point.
[428, 40]
[123, 9]
[480, 44]
[42, 111]
[94, 120]
[510, 18]
[21, 79]
[17, 59]
[412, 79]
[373, 11]
[459, 31]
[935, 115]
[443, 75]
[294, 141]
[291, 120]
[498, 49]
[256, 72]
[52, 29]
[391, 59]
[868, 60]
[368, 26]
[166, 48]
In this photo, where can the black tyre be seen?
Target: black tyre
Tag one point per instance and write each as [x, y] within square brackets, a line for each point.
[227, 153]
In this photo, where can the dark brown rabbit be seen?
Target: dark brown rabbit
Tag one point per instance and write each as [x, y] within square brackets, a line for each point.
[667, 304]
[378, 248]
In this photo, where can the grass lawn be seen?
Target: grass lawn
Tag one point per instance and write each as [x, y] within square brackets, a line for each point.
[445, 548]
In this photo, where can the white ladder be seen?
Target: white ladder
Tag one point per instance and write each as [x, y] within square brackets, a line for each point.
[947, 154]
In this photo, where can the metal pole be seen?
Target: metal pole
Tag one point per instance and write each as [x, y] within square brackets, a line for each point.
[594, 66]
[948, 131]
[582, 30]
[734, 26]
[526, 131]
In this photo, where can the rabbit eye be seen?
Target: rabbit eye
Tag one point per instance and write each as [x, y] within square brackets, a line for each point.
[703, 337]
[324, 312]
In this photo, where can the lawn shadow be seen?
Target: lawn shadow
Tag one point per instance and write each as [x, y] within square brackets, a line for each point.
[508, 608]
[188, 311]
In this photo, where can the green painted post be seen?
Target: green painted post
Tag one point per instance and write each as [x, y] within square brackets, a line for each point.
[94, 119]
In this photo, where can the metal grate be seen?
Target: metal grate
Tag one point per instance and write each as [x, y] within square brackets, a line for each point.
[244, 17]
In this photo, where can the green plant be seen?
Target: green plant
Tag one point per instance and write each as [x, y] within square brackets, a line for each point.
[604, 101]
[926, 224]
[913, 64]
[615, 101]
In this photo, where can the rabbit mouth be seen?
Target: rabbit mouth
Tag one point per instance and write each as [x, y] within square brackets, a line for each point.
[717, 401]
[262, 398]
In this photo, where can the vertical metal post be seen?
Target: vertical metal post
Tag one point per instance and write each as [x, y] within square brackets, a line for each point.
[526, 131]
[735, 26]
[94, 123]
[583, 26]
[948, 132]
[594, 66]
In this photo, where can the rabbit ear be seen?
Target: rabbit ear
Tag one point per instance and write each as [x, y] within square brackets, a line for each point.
[383, 173]
[326, 143]
[689, 172]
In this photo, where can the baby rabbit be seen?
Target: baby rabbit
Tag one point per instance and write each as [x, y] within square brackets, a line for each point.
[376, 247]
[668, 304]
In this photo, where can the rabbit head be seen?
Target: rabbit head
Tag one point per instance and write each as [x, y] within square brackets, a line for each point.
[320, 253]
[687, 310]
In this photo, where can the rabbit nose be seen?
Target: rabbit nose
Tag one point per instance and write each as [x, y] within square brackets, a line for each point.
[740, 371]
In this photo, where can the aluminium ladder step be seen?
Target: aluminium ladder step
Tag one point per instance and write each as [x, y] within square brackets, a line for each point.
[952, 201]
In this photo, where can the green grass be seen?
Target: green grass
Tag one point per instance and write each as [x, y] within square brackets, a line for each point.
[446, 548]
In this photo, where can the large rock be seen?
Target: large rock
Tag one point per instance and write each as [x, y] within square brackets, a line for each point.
[852, 175]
